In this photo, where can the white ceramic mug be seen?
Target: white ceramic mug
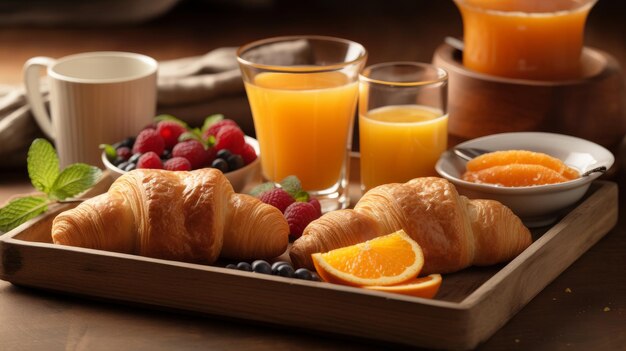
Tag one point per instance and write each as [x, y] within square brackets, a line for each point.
[95, 98]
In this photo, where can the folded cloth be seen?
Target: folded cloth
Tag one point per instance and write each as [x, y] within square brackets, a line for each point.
[181, 82]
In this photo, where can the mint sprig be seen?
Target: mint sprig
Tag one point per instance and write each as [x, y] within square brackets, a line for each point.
[198, 133]
[45, 175]
[291, 184]
[170, 118]
[43, 165]
[211, 120]
[109, 151]
[21, 210]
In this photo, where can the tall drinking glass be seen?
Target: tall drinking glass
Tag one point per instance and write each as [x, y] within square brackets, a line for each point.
[303, 110]
[403, 121]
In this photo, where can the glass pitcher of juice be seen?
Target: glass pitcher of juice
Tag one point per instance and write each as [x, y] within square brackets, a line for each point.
[525, 39]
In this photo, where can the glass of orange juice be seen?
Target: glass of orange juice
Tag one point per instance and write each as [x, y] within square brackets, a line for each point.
[525, 39]
[403, 122]
[303, 109]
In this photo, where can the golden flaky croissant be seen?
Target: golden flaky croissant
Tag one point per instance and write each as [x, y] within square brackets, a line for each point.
[453, 231]
[186, 216]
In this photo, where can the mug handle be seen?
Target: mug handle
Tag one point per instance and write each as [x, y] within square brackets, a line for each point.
[33, 92]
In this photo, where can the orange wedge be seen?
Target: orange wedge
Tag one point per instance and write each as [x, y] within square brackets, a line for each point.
[425, 287]
[515, 175]
[508, 157]
[387, 260]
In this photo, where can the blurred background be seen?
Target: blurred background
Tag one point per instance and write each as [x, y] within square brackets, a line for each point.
[170, 29]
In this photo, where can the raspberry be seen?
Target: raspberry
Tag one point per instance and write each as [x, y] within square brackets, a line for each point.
[177, 164]
[149, 140]
[170, 131]
[193, 151]
[218, 125]
[152, 125]
[149, 160]
[123, 152]
[298, 216]
[230, 138]
[248, 153]
[315, 202]
[277, 198]
[211, 155]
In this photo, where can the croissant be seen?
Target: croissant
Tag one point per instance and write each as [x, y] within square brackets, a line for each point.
[186, 216]
[453, 231]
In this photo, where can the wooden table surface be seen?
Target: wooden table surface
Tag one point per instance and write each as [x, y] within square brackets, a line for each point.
[584, 308]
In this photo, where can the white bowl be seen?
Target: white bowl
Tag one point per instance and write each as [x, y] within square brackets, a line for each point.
[536, 205]
[239, 178]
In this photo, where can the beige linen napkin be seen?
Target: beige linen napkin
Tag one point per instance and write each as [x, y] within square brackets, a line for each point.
[181, 83]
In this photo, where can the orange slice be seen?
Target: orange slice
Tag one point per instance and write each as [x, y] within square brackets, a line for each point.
[515, 175]
[387, 260]
[508, 157]
[425, 287]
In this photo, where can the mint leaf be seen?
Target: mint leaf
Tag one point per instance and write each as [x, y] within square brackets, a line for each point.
[109, 150]
[74, 180]
[195, 134]
[291, 184]
[43, 165]
[261, 188]
[170, 118]
[302, 196]
[189, 136]
[211, 120]
[21, 210]
[210, 140]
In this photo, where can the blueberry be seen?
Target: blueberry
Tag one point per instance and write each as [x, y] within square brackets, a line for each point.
[134, 158]
[167, 154]
[231, 266]
[244, 266]
[285, 271]
[220, 164]
[223, 154]
[261, 266]
[118, 160]
[122, 165]
[315, 277]
[128, 142]
[130, 167]
[277, 264]
[235, 162]
[303, 273]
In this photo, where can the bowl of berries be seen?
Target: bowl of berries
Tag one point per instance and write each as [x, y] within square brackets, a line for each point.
[171, 144]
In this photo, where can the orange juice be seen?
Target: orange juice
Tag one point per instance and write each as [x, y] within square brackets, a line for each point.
[303, 122]
[400, 142]
[528, 39]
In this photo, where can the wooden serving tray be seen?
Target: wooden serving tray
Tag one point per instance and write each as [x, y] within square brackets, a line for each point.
[471, 304]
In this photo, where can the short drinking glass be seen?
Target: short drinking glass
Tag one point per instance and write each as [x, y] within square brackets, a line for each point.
[403, 122]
